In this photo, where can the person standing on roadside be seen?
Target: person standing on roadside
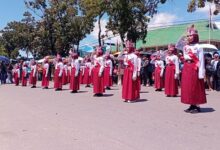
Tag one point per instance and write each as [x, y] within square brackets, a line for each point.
[193, 73]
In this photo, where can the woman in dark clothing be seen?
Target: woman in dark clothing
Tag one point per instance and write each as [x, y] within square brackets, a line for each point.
[3, 73]
[216, 75]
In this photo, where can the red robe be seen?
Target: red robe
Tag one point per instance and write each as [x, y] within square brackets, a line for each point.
[64, 76]
[24, 78]
[171, 84]
[81, 76]
[107, 77]
[172, 70]
[68, 75]
[57, 79]
[45, 79]
[158, 80]
[193, 87]
[33, 76]
[98, 82]
[74, 81]
[16, 76]
[130, 90]
[87, 76]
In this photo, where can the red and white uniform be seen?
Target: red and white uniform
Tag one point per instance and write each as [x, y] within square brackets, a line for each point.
[33, 75]
[58, 75]
[130, 91]
[74, 80]
[24, 76]
[108, 73]
[69, 73]
[16, 74]
[87, 73]
[45, 75]
[158, 74]
[64, 76]
[138, 73]
[97, 75]
[171, 75]
[81, 74]
[193, 73]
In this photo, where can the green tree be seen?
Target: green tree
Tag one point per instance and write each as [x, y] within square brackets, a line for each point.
[10, 37]
[193, 4]
[19, 35]
[61, 26]
[130, 18]
[2, 48]
[27, 34]
[95, 9]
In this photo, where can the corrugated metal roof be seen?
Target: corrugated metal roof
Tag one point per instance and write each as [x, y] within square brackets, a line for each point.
[171, 34]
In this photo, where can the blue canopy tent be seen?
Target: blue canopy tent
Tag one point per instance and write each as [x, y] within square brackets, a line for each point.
[4, 59]
[86, 49]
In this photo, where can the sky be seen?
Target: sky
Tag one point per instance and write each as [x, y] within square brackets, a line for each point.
[172, 12]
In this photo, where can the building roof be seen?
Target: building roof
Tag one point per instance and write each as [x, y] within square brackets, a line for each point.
[165, 36]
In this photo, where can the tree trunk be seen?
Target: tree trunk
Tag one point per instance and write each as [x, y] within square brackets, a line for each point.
[122, 40]
[100, 29]
[77, 48]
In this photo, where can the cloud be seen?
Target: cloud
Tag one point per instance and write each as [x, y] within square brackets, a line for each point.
[95, 32]
[205, 10]
[161, 20]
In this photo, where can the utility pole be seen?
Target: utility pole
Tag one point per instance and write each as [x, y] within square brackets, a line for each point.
[210, 22]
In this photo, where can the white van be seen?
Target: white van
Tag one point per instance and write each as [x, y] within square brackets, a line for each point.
[209, 48]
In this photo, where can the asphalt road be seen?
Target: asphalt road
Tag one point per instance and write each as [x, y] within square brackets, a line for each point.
[37, 119]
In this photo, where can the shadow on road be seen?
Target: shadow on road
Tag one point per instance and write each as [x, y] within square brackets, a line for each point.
[82, 91]
[207, 110]
[144, 92]
[65, 90]
[107, 95]
[112, 89]
[141, 100]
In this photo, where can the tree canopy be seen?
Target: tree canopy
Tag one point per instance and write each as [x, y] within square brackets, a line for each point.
[194, 4]
[54, 26]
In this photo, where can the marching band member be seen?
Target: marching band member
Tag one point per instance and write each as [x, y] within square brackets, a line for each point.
[81, 73]
[69, 72]
[74, 80]
[16, 73]
[24, 74]
[45, 75]
[33, 74]
[58, 74]
[158, 73]
[87, 72]
[65, 69]
[130, 91]
[97, 73]
[193, 73]
[172, 72]
[108, 72]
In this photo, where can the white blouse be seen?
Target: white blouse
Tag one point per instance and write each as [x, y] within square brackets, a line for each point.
[108, 63]
[100, 61]
[75, 64]
[134, 60]
[173, 59]
[198, 52]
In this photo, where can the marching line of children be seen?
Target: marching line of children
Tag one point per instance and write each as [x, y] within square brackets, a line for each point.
[98, 69]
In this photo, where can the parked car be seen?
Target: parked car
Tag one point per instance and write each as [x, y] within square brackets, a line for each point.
[209, 48]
